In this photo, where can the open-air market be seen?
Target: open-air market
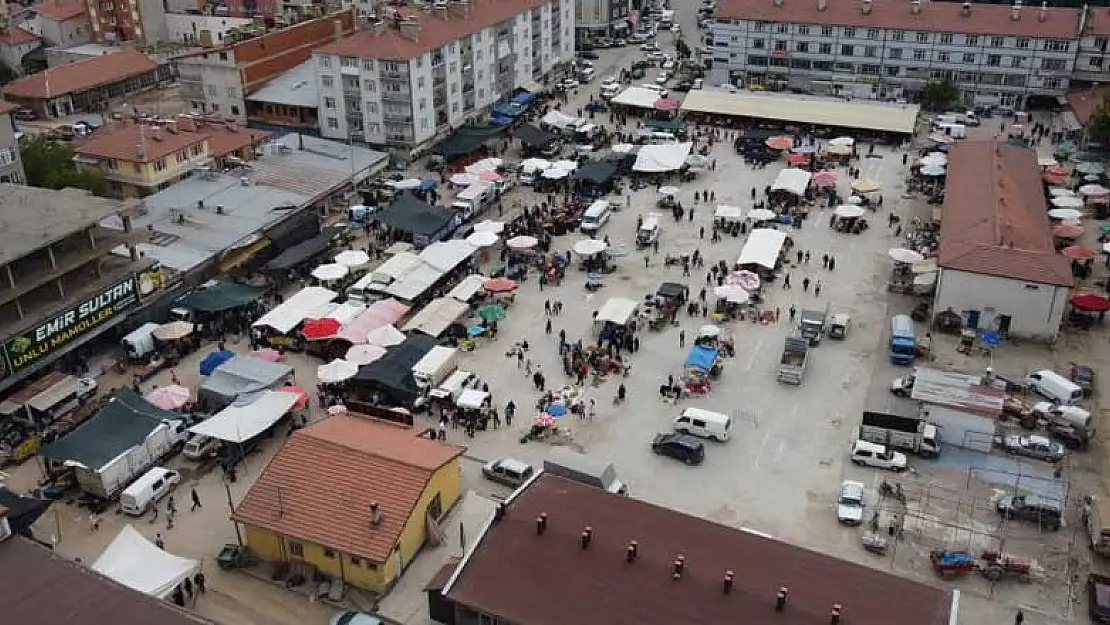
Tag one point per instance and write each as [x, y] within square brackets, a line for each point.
[540, 311]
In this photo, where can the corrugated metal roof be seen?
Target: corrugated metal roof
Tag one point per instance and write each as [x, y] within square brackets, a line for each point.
[958, 390]
[900, 118]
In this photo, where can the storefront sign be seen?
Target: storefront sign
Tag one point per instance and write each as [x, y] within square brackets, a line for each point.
[33, 345]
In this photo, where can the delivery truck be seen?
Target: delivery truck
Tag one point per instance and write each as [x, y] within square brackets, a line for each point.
[584, 469]
[1096, 516]
[795, 355]
[109, 480]
[910, 434]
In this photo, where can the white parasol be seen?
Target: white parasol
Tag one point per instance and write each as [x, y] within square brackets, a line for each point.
[565, 164]
[173, 331]
[1089, 167]
[1061, 192]
[668, 190]
[709, 331]
[848, 141]
[488, 225]
[364, 354]
[482, 239]
[407, 183]
[589, 247]
[1093, 190]
[522, 242]
[731, 293]
[336, 371]
[933, 158]
[329, 272]
[849, 211]
[385, 336]
[1047, 161]
[1067, 201]
[747, 280]
[534, 164]
[352, 258]
[1065, 213]
[555, 173]
[933, 170]
[855, 199]
[903, 255]
[761, 214]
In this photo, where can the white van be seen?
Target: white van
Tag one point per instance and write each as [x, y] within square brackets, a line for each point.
[1055, 387]
[704, 423]
[146, 491]
[200, 447]
[866, 454]
[596, 216]
[586, 74]
[454, 385]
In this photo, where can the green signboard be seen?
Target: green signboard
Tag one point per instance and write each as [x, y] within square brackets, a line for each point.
[53, 334]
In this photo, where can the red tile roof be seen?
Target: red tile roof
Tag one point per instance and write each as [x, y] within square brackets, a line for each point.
[597, 586]
[435, 32]
[995, 219]
[229, 138]
[121, 141]
[1098, 22]
[17, 37]
[945, 17]
[60, 10]
[321, 484]
[1086, 103]
[82, 75]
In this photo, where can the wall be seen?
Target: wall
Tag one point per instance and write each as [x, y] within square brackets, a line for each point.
[447, 483]
[11, 166]
[186, 28]
[1036, 310]
[153, 13]
[960, 429]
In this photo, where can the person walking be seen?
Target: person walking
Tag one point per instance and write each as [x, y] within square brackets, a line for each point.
[807, 257]
[793, 313]
[198, 579]
[832, 263]
[800, 255]
[682, 338]
[786, 282]
[196, 499]
[817, 289]
[160, 542]
[510, 412]
[825, 261]
[805, 284]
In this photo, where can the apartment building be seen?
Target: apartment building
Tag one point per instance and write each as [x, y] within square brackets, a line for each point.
[601, 18]
[11, 166]
[1092, 59]
[62, 23]
[996, 54]
[422, 70]
[116, 21]
[217, 80]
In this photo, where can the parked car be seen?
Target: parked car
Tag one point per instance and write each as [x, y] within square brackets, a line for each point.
[683, 85]
[1084, 376]
[866, 454]
[849, 506]
[1098, 598]
[507, 471]
[568, 83]
[650, 47]
[620, 43]
[680, 447]
[589, 54]
[637, 38]
[1069, 436]
[661, 78]
[1033, 446]
[668, 65]
[351, 617]
[1032, 508]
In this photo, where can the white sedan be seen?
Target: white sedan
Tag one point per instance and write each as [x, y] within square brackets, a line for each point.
[661, 78]
[849, 505]
[569, 83]
[655, 56]
[668, 65]
[649, 47]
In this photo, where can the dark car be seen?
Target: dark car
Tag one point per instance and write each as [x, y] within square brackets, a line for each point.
[683, 85]
[1033, 508]
[1069, 436]
[1098, 598]
[588, 54]
[680, 447]
[1084, 376]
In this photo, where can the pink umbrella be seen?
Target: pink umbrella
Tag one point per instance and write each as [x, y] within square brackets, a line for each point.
[825, 178]
[170, 397]
[269, 354]
[490, 176]
[666, 104]
[364, 354]
[302, 395]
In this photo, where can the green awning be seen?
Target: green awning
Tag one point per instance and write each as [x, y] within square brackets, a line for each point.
[125, 421]
[222, 296]
[662, 126]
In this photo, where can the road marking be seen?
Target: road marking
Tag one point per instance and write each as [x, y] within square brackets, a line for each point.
[755, 352]
[762, 446]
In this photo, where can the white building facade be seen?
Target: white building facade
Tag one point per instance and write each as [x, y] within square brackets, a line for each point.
[996, 55]
[413, 77]
[1015, 306]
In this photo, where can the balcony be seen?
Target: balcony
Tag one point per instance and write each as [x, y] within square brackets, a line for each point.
[395, 74]
[396, 96]
[397, 118]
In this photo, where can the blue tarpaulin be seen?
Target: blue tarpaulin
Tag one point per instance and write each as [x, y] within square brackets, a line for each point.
[507, 109]
[702, 358]
[524, 98]
[428, 185]
[212, 361]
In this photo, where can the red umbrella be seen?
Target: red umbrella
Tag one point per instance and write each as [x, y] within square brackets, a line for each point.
[1089, 302]
[1054, 180]
[797, 159]
[320, 329]
[1078, 252]
[500, 285]
[825, 178]
[781, 142]
[1067, 231]
[1056, 170]
[302, 395]
[666, 104]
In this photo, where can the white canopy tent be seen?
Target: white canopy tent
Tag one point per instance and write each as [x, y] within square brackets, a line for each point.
[663, 157]
[385, 336]
[471, 399]
[437, 316]
[416, 282]
[446, 255]
[618, 310]
[763, 248]
[139, 564]
[559, 119]
[247, 418]
[637, 97]
[792, 180]
[725, 211]
[310, 302]
[468, 287]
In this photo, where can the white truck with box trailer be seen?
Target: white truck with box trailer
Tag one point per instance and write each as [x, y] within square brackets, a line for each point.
[109, 480]
[910, 434]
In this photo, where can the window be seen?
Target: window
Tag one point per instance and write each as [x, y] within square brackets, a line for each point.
[757, 44]
[919, 55]
[971, 40]
[895, 53]
[137, 167]
[780, 45]
[420, 82]
[368, 64]
[328, 553]
[998, 42]
[872, 33]
[356, 561]
[803, 29]
[160, 164]
[223, 56]
[825, 48]
[348, 61]
[946, 39]
[1095, 61]
[234, 109]
[327, 81]
[994, 60]
[1021, 42]
[847, 50]
[943, 57]
[423, 103]
[1054, 65]
[212, 91]
[826, 31]
[1057, 45]
[112, 164]
[782, 28]
[849, 32]
[802, 46]
[871, 51]
[892, 70]
[231, 93]
[296, 549]
[329, 103]
[758, 27]
[898, 35]
[969, 58]
[1017, 61]
[325, 61]
[333, 122]
[922, 37]
[370, 86]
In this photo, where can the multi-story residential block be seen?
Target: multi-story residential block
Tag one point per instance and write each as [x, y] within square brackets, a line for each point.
[996, 54]
[1092, 59]
[62, 23]
[600, 18]
[116, 21]
[11, 166]
[422, 70]
[140, 159]
[217, 80]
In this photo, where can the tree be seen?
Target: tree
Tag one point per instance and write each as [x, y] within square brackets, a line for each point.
[1098, 129]
[940, 95]
[49, 164]
[681, 48]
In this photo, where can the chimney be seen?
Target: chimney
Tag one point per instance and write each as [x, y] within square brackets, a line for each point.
[966, 10]
[822, 5]
[915, 7]
[778, 3]
[1042, 15]
[337, 29]
[1015, 11]
[630, 554]
[375, 514]
[541, 524]
[867, 6]
[410, 29]
[728, 582]
[780, 599]
[834, 617]
[587, 534]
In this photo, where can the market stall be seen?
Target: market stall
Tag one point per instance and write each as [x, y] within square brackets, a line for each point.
[240, 422]
[134, 561]
[792, 180]
[240, 376]
[618, 311]
[763, 248]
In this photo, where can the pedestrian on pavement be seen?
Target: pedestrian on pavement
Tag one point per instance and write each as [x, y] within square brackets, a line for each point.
[196, 499]
[188, 586]
[510, 412]
[817, 289]
[800, 255]
[682, 338]
[547, 326]
[825, 261]
[519, 359]
[793, 313]
[154, 514]
[160, 542]
[807, 257]
[1019, 618]
[832, 263]
[786, 282]
[805, 284]
[198, 579]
